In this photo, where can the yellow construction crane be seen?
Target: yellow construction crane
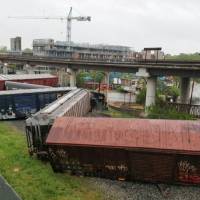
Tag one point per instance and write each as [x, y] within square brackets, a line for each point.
[68, 18]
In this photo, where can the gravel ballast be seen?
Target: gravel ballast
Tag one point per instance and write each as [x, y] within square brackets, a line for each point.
[116, 190]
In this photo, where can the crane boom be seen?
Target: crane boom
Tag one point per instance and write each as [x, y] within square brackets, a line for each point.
[38, 17]
[69, 19]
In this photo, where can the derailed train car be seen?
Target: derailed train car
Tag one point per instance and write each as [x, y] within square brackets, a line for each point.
[74, 103]
[22, 103]
[127, 149]
[39, 79]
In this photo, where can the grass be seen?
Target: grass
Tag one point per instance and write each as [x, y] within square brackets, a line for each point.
[34, 180]
[164, 112]
[117, 114]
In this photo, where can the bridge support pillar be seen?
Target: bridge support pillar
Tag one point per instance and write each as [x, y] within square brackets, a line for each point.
[107, 85]
[151, 91]
[28, 69]
[61, 76]
[5, 68]
[185, 90]
[72, 77]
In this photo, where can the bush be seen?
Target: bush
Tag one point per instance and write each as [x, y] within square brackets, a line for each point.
[141, 97]
[163, 112]
[172, 91]
[80, 78]
[160, 95]
[120, 89]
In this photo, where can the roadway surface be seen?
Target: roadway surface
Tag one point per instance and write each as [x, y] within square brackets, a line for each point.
[155, 68]
[6, 192]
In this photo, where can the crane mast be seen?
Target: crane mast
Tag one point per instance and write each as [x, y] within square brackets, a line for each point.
[69, 27]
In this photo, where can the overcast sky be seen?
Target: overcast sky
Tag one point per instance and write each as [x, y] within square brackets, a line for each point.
[172, 24]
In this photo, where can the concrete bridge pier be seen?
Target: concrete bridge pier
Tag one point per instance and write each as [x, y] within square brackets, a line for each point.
[151, 91]
[107, 85]
[185, 90]
[61, 73]
[72, 73]
[5, 68]
[28, 69]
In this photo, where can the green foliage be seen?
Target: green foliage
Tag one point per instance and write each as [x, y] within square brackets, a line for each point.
[172, 91]
[12, 66]
[97, 76]
[197, 80]
[121, 89]
[117, 114]
[164, 112]
[80, 78]
[3, 49]
[164, 90]
[141, 97]
[27, 50]
[161, 93]
[183, 56]
[128, 76]
[33, 179]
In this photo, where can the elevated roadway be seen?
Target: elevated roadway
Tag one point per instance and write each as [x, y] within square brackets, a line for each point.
[155, 68]
[150, 69]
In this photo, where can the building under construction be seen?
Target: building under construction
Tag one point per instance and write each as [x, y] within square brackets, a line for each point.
[49, 47]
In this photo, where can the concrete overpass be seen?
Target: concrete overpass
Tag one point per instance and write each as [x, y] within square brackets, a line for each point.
[147, 68]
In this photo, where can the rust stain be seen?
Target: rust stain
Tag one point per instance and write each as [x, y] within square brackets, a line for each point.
[147, 134]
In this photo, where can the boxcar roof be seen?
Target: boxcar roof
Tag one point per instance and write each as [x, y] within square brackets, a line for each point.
[39, 90]
[25, 76]
[141, 134]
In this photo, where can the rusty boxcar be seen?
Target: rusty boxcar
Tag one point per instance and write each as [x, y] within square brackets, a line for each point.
[127, 149]
[39, 79]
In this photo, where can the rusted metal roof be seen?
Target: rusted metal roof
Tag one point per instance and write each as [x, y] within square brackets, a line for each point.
[140, 134]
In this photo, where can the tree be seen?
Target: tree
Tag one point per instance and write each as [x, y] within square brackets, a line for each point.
[3, 49]
[98, 77]
[27, 50]
[183, 56]
[141, 97]
[80, 78]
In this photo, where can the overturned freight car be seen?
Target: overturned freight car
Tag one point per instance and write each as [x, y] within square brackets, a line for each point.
[39, 79]
[22, 103]
[127, 149]
[74, 103]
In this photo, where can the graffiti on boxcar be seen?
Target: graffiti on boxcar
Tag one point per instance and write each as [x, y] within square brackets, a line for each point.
[187, 172]
[191, 127]
[121, 167]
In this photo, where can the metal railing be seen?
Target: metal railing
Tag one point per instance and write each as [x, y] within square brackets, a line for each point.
[186, 108]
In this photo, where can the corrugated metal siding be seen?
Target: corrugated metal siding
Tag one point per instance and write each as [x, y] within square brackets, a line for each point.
[75, 103]
[154, 135]
[39, 79]
[53, 81]
[150, 167]
[80, 106]
[122, 164]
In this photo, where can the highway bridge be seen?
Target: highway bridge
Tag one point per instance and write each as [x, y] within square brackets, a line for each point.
[154, 67]
[150, 69]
